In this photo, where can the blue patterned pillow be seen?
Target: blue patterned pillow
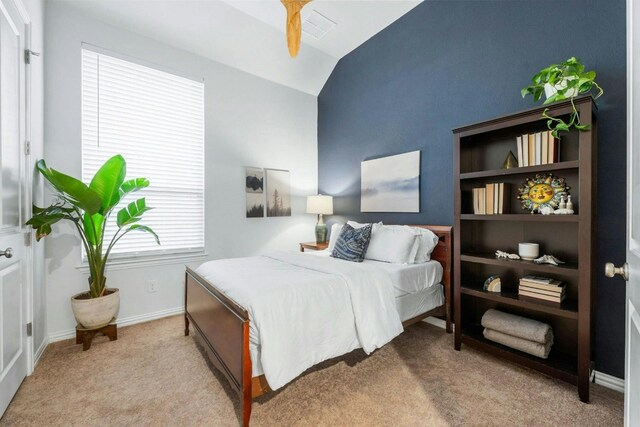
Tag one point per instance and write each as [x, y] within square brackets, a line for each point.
[352, 243]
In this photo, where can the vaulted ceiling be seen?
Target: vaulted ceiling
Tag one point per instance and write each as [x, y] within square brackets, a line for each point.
[249, 35]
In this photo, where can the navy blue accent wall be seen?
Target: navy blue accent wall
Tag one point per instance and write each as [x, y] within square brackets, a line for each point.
[450, 63]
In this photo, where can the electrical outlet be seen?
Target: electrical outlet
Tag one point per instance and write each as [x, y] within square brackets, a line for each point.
[152, 286]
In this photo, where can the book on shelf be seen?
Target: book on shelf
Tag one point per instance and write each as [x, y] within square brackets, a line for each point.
[519, 147]
[544, 288]
[489, 199]
[537, 149]
[559, 292]
[492, 199]
[556, 286]
[543, 297]
[538, 279]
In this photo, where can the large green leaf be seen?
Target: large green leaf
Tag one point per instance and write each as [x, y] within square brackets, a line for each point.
[144, 228]
[72, 190]
[93, 227]
[132, 185]
[44, 218]
[132, 213]
[107, 181]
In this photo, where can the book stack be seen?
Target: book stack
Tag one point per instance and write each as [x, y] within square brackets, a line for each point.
[543, 288]
[536, 149]
[492, 199]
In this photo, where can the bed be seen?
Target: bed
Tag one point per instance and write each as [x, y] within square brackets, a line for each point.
[287, 340]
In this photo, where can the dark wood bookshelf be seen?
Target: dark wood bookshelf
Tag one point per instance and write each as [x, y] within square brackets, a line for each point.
[559, 365]
[521, 170]
[490, 259]
[521, 217]
[479, 151]
[567, 308]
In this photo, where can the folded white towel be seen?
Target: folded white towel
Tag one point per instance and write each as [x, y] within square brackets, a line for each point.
[530, 347]
[517, 326]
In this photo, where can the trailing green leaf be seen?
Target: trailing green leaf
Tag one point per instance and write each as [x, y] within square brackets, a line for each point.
[569, 80]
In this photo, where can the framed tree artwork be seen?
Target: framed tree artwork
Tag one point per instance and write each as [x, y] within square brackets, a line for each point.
[278, 192]
[254, 190]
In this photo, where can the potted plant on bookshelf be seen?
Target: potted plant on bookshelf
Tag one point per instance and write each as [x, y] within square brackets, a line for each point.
[88, 208]
[559, 82]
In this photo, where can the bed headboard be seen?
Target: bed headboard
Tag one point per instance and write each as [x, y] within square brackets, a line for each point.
[443, 253]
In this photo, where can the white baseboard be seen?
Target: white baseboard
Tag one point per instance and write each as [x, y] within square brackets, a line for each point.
[122, 321]
[605, 380]
[40, 351]
[608, 381]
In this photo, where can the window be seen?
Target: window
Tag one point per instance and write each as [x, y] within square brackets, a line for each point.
[156, 121]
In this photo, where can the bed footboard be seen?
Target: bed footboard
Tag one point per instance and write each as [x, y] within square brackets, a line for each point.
[223, 326]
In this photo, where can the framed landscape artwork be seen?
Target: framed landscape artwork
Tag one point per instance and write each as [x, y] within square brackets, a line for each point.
[278, 192]
[391, 184]
[254, 190]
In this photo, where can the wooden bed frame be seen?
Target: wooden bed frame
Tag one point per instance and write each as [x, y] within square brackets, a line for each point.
[223, 325]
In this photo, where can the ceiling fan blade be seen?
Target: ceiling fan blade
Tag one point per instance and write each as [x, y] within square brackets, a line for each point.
[294, 25]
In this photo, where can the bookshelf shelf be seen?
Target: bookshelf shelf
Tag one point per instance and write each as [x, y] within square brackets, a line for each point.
[521, 217]
[560, 365]
[573, 164]
[479, 151]
[567, 309]
[490, 259]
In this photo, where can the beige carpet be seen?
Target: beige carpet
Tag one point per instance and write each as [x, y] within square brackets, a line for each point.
[153, 375]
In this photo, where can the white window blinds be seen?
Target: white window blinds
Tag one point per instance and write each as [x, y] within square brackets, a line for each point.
[156, 121]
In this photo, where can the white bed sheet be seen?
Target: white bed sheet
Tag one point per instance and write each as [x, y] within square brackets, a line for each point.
[305, 310]
[406, 278]
[408, 305]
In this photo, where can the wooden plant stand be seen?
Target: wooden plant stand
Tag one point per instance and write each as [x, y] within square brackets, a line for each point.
[85, 336]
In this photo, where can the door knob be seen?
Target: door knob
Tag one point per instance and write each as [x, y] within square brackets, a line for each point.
[611, 270]
[7, 252]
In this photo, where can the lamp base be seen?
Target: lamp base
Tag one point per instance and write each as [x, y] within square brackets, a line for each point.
[321, 233]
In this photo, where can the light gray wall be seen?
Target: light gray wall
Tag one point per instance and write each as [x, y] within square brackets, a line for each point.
[248, 122]
[35, 9]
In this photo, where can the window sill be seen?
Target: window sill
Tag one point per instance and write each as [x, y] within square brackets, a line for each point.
[149, 261]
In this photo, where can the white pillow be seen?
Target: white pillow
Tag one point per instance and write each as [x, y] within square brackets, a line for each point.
[427, 243]
[360, 225]
[333, 236]
[394, 244]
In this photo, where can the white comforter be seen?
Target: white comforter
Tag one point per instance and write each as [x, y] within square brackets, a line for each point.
[305, 310]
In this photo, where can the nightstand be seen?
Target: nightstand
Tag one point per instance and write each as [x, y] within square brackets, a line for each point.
[314, 246]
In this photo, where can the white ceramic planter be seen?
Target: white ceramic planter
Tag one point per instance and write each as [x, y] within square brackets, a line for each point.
[552, 90]
[94, 313]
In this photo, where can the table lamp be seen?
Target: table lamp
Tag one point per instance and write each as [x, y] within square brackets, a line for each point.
[321, 205]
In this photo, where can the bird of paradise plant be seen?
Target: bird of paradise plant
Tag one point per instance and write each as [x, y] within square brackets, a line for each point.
[89, 207]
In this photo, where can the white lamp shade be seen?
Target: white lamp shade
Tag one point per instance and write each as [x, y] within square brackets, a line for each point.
[320, 204]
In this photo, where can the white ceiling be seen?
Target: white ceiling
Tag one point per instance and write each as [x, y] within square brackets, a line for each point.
[249, 35]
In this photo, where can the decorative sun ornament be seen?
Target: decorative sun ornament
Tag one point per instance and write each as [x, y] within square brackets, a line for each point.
[294, 26]
[542, 191]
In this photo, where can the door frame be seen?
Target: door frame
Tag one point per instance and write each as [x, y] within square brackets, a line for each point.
[630, 312]
[26, 182]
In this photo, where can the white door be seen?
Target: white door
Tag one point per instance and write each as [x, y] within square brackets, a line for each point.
[14, 342]
[632, 354]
